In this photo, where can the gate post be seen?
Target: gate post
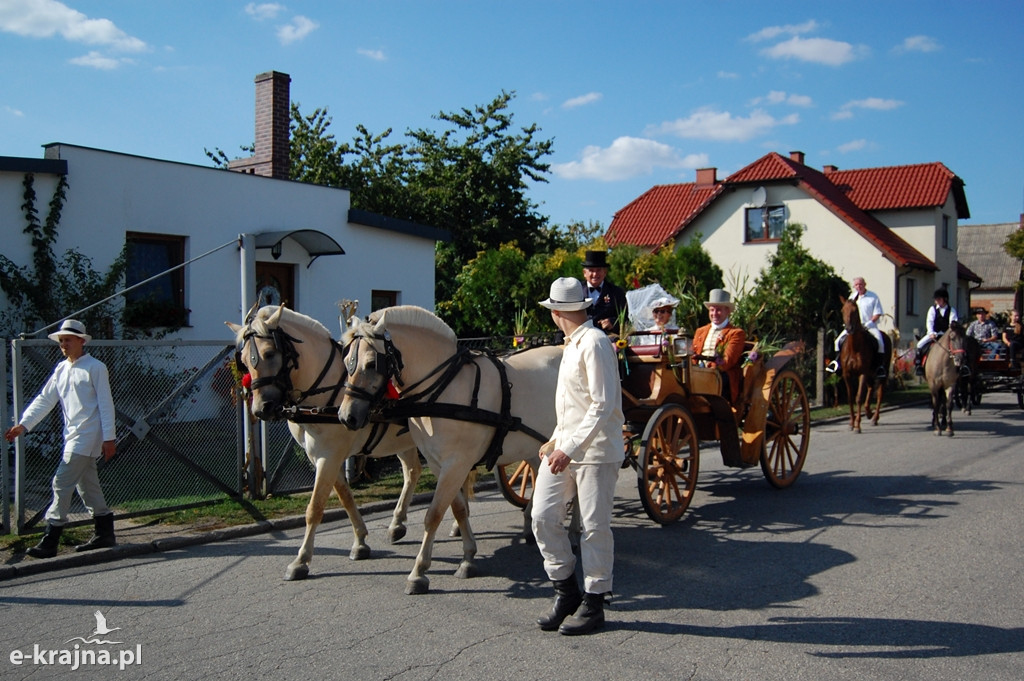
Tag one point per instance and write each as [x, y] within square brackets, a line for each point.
[819, 370]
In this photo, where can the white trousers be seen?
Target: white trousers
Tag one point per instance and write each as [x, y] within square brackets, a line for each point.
[76, 471]
[552, 498]
[874, 332]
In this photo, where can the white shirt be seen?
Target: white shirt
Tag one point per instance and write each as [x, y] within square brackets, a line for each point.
[933, 312]
[588, 399]
[83, 390]
[869, 305]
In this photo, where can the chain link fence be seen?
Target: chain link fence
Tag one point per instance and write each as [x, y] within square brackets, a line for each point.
[180, 432]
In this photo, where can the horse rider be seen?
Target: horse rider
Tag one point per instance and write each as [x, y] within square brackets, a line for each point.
[940, 316]
[870, 308]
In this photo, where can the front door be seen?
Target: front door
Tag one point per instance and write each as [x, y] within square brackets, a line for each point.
[275, 284]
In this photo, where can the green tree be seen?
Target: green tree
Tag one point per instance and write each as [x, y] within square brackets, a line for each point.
[793, 296]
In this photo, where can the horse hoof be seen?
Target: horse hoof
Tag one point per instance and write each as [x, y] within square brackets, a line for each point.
[466, 571]
[417, 587]
[359, 552]
[396, 534]
[296, 573]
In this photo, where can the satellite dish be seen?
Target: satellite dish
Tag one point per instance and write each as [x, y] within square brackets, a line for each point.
[760, 197]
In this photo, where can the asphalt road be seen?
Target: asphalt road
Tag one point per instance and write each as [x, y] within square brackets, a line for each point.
[897, 555]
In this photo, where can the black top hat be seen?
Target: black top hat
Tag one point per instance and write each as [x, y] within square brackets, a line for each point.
[595, 259]
[942, 293]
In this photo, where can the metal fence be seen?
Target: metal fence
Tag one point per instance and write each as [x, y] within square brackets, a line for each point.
[180, 432]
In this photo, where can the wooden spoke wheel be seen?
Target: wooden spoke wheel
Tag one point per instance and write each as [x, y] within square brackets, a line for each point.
[787, 430]
[668, 463]
[515, 480]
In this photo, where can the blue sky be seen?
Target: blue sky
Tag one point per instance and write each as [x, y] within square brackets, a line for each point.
[633, 93]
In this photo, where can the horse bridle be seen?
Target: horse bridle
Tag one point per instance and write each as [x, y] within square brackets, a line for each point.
[282, 380]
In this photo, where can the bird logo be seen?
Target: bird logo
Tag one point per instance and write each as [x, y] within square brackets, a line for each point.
[101, 630]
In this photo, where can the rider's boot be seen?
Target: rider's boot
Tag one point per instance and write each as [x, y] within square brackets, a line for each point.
[567, 599]
[918, 366]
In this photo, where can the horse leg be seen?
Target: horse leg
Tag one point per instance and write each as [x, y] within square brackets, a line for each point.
[460, 509]
[879, 390]
[852, 399]
[950, 408]
[412, 469]
[861, 390]
[360, 549]
[448, 488]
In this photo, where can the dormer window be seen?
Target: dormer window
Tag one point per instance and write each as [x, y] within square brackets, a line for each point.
[764, 223]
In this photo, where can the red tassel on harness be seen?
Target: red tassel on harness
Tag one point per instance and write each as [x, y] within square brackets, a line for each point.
[247, 381]
[393, 393]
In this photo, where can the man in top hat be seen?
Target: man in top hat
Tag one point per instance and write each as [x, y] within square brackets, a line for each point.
[609, 301]
[82, 387]
[720, 344]
[581, 460]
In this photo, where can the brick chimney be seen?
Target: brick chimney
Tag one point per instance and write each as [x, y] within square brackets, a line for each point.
[707, 176]
[273, 116]
[797, 156]
[829, 169]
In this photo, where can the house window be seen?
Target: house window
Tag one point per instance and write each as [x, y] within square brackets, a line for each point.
[160, 302]
[946, 236]
[912, 297]
[765, 223]
[381, 299]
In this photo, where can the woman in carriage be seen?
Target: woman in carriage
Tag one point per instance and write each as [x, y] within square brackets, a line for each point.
[652, 312]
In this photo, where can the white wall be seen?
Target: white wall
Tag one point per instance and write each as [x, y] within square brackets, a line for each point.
[111, 193]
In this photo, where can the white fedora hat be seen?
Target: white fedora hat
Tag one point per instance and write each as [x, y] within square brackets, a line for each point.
[566, 295]
[71, 327]
[719, 296]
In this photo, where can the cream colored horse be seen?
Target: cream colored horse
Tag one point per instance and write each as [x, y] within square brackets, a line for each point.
[266, 356]
[411, 347]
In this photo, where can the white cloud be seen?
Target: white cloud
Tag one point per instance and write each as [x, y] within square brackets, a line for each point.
[14, 112]
[722, 126]
[582, 100]
[264, 10]
[97, 61]
[871, 104]
[854, 145]
[781, 97]
[298, 29]
[729, 75]
[817, 51]
[376, 55]
[772, 32]
[626, 157]
[46, 18]
[919, 43]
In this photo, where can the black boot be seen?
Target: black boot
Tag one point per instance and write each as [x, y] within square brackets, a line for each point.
[567, 599]
[589, 617]
[47, 548]
[104, 537]
[918, 368]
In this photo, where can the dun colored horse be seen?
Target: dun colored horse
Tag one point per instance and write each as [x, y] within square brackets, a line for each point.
[858, 361]
[462, 407]
[943, 367]
[269, 348]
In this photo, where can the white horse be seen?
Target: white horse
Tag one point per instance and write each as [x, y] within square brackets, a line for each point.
[270, 345]
[418, 355]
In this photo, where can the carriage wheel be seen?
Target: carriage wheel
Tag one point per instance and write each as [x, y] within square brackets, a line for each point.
[669, 459]
[1020, 391]
[515, 480]
[787, 430]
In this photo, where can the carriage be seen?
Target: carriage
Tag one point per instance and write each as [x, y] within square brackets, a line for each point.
[671, 406]
[993, 373]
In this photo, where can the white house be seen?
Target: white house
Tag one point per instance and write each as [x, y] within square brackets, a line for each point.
[894, 226]
[241, 233]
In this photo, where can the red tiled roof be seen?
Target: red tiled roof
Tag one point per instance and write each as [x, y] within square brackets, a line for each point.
[923, 185]
[662, 212]
[659, 213]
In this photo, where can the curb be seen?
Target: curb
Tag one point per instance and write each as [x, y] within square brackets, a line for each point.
[72, 560]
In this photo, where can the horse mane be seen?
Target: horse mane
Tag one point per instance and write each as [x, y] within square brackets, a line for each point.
[288, 316]
[411, 315]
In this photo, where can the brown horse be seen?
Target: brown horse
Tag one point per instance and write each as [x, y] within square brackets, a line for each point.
[857, 358]
[942, 370]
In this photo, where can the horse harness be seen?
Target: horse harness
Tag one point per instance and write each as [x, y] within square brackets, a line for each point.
[293, 410]
[421, 401]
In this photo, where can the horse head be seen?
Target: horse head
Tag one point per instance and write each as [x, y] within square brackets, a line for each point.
[269, 354]
[371, 360]
[851, 315]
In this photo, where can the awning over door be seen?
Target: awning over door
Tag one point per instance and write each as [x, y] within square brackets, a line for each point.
[316, 243]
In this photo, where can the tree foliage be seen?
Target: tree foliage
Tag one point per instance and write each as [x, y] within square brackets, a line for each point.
[793, 296]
